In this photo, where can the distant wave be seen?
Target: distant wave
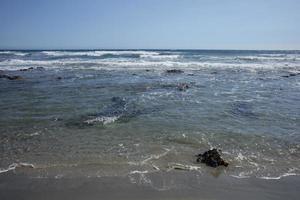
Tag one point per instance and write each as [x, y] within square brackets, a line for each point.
[16, 53]
[277, 57]
[99, 53]
[126, 64]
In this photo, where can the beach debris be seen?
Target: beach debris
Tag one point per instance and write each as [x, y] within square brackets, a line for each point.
[211, 158]
[11, 77]
[183, 86]
[174, 71]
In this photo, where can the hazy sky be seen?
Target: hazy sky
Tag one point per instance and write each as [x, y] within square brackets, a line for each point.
[192, 24]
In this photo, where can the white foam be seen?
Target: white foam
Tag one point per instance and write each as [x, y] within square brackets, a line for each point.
[278, 177]
[104, 120]
[183, 167]
[241, 157]
[139, 172]
[34, 134]
[15, 166]
[241, 175]
[156, 157]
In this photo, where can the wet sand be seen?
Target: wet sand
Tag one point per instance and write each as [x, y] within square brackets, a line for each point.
[174, 185]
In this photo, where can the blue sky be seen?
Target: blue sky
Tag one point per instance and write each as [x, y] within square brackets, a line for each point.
[166, 24]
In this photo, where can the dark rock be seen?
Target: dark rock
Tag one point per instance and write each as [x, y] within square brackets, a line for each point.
[293, 74]
[14, 77]
[30, 68]
[211, 158]
[243, 109]
[11, 77]
[40, 68]
[174, 71]
[183, 87]
[290, 75]
[117, 99]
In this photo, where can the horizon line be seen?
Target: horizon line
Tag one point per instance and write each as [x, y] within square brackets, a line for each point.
[147, 49]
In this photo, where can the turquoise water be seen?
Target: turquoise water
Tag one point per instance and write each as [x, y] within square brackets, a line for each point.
[104, 113]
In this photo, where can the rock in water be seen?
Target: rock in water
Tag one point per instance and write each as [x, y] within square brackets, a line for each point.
[26, 69]
[183, 87]
[290, 75]
[11, 77]
[175, 71]
[211, 158]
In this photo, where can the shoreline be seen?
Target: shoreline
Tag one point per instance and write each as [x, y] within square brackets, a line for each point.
[171, 185]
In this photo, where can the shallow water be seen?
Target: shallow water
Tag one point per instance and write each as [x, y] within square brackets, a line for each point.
[113, 113]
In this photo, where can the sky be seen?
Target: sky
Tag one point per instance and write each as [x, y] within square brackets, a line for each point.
[150, 24]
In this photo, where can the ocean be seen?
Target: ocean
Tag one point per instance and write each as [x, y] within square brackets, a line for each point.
[116, 113]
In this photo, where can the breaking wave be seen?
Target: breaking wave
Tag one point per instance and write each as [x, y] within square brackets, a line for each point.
[117, 64]
[15, 53]
[99, 53]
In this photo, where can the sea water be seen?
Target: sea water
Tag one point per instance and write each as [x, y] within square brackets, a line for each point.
[100, 113]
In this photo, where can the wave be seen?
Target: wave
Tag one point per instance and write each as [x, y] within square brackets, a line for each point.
[125, 64]
[16, 53]
[160, 57]
[99, 53]
[269, 58]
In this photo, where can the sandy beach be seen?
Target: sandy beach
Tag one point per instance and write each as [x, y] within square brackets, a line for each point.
[174, 185]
